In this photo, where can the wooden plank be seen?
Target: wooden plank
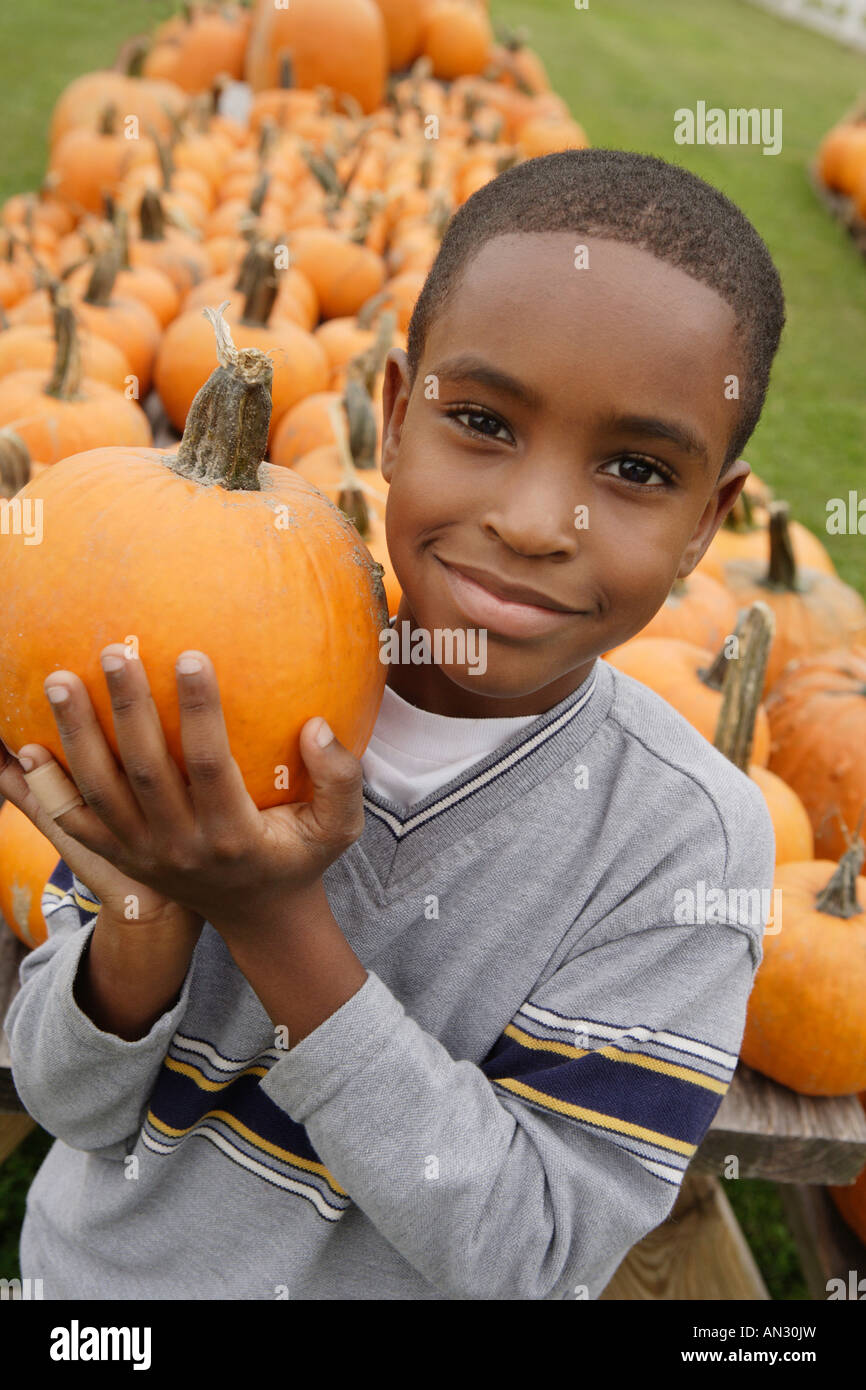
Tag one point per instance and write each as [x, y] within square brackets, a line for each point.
[699, 1252]
[828, 1248]
[13, 1128]
[12, 952]
[777, 1134]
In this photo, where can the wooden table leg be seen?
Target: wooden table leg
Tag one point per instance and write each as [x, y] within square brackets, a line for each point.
[13, 1128]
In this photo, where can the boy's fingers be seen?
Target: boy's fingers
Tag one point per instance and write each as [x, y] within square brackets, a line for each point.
[28, 799]
[223, 806]
[152, 774]
[115, 817]
[336, 813]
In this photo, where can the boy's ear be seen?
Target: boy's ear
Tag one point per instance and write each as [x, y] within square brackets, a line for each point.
[395, 401]
[724, 496]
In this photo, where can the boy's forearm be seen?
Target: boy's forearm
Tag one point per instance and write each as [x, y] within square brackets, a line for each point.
[132, 973]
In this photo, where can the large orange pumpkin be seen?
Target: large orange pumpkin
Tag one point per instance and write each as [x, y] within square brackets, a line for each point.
[300, 366]
[222, 545]
[404, 26]
[814, 612]
[817, 714]
[457, 38]
[745, 535]
[65, 413]
[199, 50]
[697, 609]
[850, 1202]
[343, 274]
[333, 43]
[806, 1014]
[32, 346]
[27, 861]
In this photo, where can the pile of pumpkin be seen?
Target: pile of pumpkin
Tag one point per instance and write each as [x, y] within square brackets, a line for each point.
[789, 708]
[318, 219]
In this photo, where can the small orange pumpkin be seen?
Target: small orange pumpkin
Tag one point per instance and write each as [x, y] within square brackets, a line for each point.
[806, 1014]
[197, 584]
[817, 714]
[27, 861]
[67, 414]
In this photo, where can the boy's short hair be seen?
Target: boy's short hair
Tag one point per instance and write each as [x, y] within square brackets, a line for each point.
[636, 198]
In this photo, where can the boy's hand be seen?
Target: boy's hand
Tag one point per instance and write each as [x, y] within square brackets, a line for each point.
[204, 845]
[113, 889]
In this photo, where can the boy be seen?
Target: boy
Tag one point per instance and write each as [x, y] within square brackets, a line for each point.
[505, 1041]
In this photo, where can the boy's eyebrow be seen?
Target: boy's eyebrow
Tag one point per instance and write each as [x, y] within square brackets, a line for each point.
[685, 438]
[477, 369]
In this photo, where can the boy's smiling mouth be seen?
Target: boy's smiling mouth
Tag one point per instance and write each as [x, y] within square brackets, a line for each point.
[509, 609]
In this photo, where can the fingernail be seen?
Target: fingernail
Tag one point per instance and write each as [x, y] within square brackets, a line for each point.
[325, 735]
[188, 665]
[25, 762]
[57, 693]
[110, 662]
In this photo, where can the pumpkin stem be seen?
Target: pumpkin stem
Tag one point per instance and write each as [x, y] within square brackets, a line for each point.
[741, 517]
[131, 55]
[839, 898]
[65, 381]
[15, 468]
[262, 283]
[105, 269]
[363, 435]
[367, 365]
[324, 171]
[714, 676]
[108, 121]
[743, 685]
[121, 230]
[259, 193]
[245, 269]
[287, 75]
[164, 155]
[371, 307]
[782, 571]
[151, 215]
[268, 133]
[351, 499]
[226, 433]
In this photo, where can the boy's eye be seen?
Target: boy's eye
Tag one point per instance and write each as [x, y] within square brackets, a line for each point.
[479, 421]
[641, 468]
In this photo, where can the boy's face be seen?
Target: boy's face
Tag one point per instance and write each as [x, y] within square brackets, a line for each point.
[554, 389]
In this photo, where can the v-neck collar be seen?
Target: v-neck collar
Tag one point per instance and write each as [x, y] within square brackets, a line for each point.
[540, 736]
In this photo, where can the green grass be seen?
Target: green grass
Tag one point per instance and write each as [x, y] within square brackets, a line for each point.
[759, 1211]
[624, 66]
[44, 44]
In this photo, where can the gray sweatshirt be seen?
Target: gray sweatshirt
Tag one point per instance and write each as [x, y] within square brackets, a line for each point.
[560, 943]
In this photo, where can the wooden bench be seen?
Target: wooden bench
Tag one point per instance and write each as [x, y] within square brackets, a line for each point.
[700, 1251]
